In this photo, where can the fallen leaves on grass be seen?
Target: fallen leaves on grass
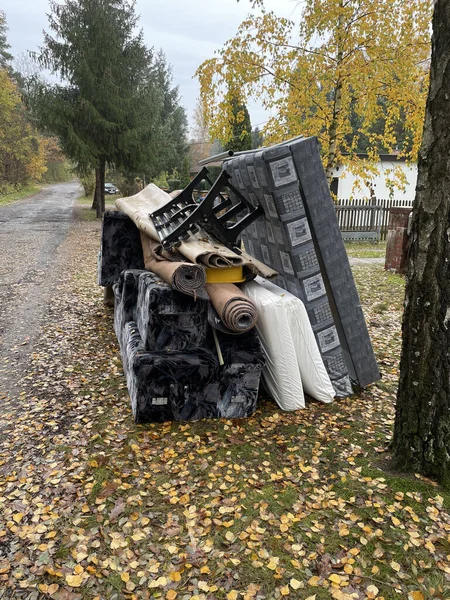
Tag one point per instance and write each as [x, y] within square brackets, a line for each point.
[279, 505]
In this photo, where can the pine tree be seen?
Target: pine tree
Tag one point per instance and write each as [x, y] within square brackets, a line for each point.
[106, 111]
[240, 127]
[185, 176]
[257, 138]
[173, 121]
[5, 56]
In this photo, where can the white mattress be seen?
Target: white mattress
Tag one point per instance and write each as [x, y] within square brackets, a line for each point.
[294, 362]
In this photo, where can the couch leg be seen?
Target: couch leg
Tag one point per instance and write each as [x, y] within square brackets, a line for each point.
[108, 296]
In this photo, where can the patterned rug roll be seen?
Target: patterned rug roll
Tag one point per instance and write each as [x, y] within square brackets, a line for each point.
[185, 277]
[237, 312]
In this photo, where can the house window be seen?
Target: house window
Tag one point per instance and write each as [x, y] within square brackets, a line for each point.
[334, 186]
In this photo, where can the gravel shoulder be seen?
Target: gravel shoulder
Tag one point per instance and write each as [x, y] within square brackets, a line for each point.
[31, 233]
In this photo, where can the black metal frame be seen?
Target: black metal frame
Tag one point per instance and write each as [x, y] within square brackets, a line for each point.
[182, 217]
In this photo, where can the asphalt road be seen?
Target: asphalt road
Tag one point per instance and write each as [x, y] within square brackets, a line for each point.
[31, 232]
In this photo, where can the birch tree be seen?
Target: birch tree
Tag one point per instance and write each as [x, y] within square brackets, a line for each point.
[200, 143]
[334, 62]
[422, 426]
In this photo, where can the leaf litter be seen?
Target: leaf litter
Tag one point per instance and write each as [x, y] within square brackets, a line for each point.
[295, 505]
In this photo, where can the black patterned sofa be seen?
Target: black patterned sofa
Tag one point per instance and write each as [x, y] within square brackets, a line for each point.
[167, 347]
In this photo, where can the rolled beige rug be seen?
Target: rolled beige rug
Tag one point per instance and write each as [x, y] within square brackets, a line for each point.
[237, 312]
[185, 277]
[199, 248]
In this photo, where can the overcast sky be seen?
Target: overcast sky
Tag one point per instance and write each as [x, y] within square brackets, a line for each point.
[188, 31]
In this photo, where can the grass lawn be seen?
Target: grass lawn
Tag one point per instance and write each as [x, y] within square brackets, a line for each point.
[300, 505]
[84, 204]
[28, 190]
[366, 249]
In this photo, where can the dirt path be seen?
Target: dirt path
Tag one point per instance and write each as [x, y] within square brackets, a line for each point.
[366, 261]
[31, 232]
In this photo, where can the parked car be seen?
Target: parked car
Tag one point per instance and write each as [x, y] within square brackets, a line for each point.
[110, 188]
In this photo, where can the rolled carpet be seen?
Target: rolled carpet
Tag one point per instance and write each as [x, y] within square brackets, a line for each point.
[185, 277]
[237, 312]
[199, 248]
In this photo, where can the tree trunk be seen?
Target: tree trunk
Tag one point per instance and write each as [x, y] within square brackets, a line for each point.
[102, 185]
[332, 135]
[96, 188]
[98, 193]
[337, 108]
[422, 425]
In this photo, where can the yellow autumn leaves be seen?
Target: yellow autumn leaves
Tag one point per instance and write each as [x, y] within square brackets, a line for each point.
[76, 579]
[48, 589]
[354, 74]
[292, 522]
[22, 148]
[253, 589]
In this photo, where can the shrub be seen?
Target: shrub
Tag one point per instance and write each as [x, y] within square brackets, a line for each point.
[174, 184]
[57, 172]
[88, 183]
[161, 180]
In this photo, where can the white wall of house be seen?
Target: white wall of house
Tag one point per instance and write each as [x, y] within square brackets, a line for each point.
[347, 188]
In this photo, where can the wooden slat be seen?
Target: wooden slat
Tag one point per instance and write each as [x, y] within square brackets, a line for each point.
[361, 215]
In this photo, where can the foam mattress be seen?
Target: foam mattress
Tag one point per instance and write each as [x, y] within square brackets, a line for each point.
[293, 361]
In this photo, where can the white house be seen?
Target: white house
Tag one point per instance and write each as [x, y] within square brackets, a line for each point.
[345, 183]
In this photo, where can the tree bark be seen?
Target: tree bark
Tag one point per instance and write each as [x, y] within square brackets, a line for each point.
[98, 193]
[95, 199]
[102, 170]
[337, 108]
[421, 439]
[332, 135]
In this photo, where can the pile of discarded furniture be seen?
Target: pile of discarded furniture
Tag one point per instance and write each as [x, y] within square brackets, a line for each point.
[253, 282]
